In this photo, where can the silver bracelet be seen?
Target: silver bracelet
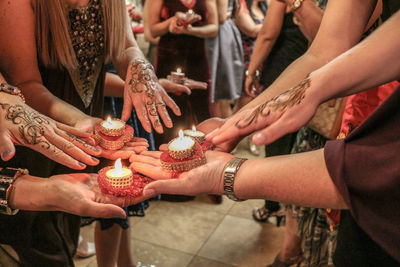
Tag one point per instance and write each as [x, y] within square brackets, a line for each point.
[229, 178]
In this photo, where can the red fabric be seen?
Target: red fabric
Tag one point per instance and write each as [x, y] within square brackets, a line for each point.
[361, 105]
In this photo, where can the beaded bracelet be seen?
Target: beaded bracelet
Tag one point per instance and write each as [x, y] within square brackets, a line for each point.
[12, 90]
[7, 179]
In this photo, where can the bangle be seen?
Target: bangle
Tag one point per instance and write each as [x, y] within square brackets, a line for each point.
[6, 88]
[229, 178]
[254, 77]
[7, 179]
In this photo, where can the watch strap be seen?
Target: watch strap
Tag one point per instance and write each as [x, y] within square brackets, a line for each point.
[229, 177]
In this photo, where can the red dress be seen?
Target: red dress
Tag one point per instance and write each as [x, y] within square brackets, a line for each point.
[187, 52]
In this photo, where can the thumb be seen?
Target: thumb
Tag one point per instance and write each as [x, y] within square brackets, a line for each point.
[101, 210]
[7, 148]
[171, 186]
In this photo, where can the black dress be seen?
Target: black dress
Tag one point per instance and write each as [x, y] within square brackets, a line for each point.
[50, 238]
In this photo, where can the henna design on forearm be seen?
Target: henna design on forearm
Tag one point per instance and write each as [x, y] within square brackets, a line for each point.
[142, 73]
[29, 123]
[281, 103]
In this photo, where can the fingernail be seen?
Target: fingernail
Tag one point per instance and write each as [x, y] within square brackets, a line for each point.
[81, 164]
[95, 149]
[119, 215]
[95, 159]
[5, 154]
[259, 138]
[148, 192]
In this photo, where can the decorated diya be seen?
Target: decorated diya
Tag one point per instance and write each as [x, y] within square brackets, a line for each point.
[184, 153]
[121, 181]
[112, 134]
[177, 76]
[199, 137]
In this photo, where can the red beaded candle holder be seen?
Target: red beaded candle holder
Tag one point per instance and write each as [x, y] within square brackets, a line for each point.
[171, 164]
[131, 186]
[207, 145]
[120, 130]
[113, 142]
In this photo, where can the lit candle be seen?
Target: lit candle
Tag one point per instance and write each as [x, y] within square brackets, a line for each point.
[119, 176]
[197, 135]
[182, 147]
[190, 12]
[112, 127]
[178, 73]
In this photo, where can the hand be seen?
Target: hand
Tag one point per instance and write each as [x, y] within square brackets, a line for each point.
[185, 19]
[136, 146]
[252, 87]
[22, 125]
[73, 193]
[274, 118]
[143, 91]
[136, 17]
[178, 89]
[175, 27]
[204, 179]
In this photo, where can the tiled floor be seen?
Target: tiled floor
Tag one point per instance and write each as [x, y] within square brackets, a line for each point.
[198, 233]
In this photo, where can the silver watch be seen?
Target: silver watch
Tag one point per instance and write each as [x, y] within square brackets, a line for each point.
[229, 177]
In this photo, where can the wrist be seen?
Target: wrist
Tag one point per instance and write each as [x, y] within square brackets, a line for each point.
[229, 177]
[253, 75]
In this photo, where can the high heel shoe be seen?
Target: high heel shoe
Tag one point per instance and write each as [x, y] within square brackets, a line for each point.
[263, 214]
[286, 263]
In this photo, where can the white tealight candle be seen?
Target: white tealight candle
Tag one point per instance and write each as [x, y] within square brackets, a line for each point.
[197, 135]
[181, 147]
[178, 73]
[190, 12]
[119, 176]
[112, 127]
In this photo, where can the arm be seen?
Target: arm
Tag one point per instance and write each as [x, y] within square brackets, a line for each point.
[246, 24]
[300, 179]
[353, 71]
[73, 193]
[222, 7]
[157, 27]
[19, 63]
[309, 17]
[341, 28]
[266, 39]
[147, 32]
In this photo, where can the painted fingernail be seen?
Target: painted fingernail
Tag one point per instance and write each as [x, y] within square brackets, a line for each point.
[82, 165]
[5, 154]
[148, 192]
[259, 138]
[95, 149]
[119, 215]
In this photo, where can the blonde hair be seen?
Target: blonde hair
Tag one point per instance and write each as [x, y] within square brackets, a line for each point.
[52, 31]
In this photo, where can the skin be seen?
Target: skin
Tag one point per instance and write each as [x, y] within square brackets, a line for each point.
[72, 193]
[300, 179]
[340, 19]
[19, 54]
[159, 28]
[22, 125]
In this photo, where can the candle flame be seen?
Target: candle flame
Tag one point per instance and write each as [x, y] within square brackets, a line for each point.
[194, 128]
[180, 134]
[179, 70]
[118, 167]
[190, 11]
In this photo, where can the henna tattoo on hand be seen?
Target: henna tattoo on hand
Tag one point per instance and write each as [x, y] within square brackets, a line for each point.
[142, 73]
[30, 124]
[73, 138]
[281, 103]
